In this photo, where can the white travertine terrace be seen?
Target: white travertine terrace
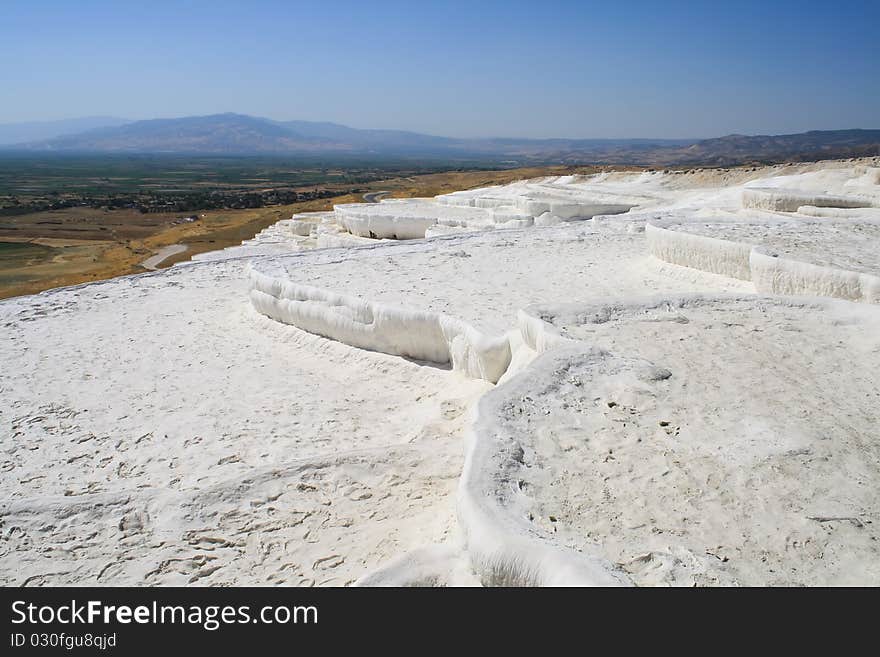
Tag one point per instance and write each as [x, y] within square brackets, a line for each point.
[442, 301]
[662, 439]
[789, 200]
[814, 233]
[547, 424]
[799, 256]
[519, 205]
[505, 548]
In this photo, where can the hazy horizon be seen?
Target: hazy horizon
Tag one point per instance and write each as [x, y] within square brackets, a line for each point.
[113, 119]
[568, 70]
[67, 119]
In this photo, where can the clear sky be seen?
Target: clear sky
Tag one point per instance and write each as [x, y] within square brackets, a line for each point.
[615, 68]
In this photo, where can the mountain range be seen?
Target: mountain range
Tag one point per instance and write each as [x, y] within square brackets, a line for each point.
[239, 134]
[32, 131]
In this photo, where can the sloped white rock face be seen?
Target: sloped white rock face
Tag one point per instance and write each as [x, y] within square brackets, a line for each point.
[796, 256]
[852, 186]
[441, 230]
[839, 213]
[400, 221]
[772, 273]
[711, 254]
[789, 200]
[420, 335]
[332, 235]
[302, 228]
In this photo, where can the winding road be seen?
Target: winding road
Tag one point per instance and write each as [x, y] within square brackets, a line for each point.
[154, 261]
[374, 197]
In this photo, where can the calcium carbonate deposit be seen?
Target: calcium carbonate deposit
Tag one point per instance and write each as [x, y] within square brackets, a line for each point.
[632, 378]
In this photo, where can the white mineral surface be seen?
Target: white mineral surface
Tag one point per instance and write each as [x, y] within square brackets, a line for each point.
[575, 380]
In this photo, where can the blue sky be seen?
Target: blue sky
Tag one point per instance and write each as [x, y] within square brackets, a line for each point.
[520, 69]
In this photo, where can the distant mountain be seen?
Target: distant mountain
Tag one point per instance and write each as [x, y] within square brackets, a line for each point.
[369, 139]
[816, 144]
[19, 133]
[241, 134]
[219, 133]
[402, 140]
